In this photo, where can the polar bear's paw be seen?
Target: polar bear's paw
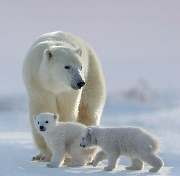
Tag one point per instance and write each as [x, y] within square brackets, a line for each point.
[95, 163]
[108, 168]
[133, 168]
[154, 169]
[90, 163]
[36, 158]
[52, 165]
[74, 164]
[43, 157]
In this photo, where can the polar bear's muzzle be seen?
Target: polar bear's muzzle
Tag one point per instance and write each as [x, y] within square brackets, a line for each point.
[41, 128]
[82, 145]
[78, 85]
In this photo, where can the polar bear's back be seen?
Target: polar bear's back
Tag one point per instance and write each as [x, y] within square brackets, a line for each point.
[137, 138]
[61, 38]
[71, 130]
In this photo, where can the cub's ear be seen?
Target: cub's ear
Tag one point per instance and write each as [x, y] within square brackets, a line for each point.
[48, 54]
[79, 51]
[90, 130]
[56, 116]
[34, 117]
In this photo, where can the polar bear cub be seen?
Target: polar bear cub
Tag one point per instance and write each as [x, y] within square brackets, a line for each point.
[132, 142]
[62, 138]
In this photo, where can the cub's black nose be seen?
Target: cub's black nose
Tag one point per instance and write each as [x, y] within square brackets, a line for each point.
[82, 146]
[41, 128]
[80, 84]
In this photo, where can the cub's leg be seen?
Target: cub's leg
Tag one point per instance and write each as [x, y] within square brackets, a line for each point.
[113, 159]
[100, 156]
[77, 154]
[57, 157]
[153, 160]
[136, 164]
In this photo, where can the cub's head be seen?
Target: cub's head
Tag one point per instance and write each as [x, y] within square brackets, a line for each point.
[88, 138]
[45, 122]
[62, 69]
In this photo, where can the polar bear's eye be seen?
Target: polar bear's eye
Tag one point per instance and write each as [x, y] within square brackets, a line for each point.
[81, 68]
[67, 67]
[38, 122]
[46, 121]
[83, 139]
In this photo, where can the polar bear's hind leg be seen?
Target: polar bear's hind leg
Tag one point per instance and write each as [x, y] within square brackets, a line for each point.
[136, 164]
[154, 161]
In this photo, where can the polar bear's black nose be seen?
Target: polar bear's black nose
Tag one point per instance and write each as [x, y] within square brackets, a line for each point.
[80, 84]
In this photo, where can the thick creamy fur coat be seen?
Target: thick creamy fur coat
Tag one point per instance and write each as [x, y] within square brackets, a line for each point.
[63, 75]
[132, 142]
[63, 138]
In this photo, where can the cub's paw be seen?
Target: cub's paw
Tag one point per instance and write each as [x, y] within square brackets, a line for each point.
[133, 168]
[52, 165]
[154, 169]
[108, 168]
[95, 163]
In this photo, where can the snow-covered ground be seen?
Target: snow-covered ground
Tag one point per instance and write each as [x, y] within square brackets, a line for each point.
[16, 144]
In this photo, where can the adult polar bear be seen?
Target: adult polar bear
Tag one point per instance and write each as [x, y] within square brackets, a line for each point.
[63, 75]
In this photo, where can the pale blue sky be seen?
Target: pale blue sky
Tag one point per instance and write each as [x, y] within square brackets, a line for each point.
[134, 39]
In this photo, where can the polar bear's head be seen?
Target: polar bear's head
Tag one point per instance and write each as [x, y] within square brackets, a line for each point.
[45, 122]
[88, 138]
[62, 69]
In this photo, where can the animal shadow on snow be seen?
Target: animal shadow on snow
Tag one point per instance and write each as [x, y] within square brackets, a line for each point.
[120, 170]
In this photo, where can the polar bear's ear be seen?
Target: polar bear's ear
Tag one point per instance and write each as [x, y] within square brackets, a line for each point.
[56, 116]
[90, 130]
[48, 54]
[79, 51]
[34, 117]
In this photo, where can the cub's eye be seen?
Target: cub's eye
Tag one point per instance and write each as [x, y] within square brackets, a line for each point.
[38, 122]
[67, 67]
[81, 68]
[46, 121]
[83, 139]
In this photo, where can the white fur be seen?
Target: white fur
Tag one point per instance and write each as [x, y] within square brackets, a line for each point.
[53, 66]
[132, 142]
[62, 138]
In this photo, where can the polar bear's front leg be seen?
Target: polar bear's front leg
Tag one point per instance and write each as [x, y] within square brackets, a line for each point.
[57, 157]
[100, 156]
[67, 105]
[38, 103]
[112, 161]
